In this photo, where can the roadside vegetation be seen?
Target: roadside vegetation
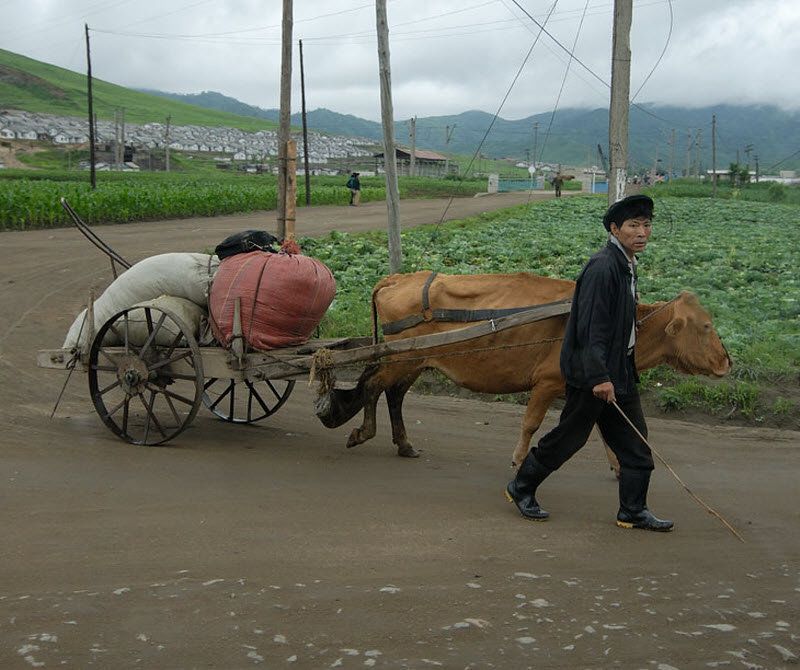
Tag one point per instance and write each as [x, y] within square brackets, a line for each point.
[30, 199]
[739, 257]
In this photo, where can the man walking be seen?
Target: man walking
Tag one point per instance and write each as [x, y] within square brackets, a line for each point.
[354, 184]
[597, 361]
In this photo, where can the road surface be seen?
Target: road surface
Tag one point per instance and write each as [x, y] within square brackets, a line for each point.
[273, 546]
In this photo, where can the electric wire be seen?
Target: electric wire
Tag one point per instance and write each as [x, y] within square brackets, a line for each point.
[663, 51]
[499, 109]
[563, 82]
[583, 65]
[783, 160]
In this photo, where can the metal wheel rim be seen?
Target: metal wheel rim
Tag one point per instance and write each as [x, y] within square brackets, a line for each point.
[244, 401]
[133, 387]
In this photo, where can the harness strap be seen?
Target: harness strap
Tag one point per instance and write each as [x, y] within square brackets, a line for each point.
[460, 316]
[426, 303]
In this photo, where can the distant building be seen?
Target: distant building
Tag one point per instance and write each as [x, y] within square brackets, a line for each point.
[427, 163]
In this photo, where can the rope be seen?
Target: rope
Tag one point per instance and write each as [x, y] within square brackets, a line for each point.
[322, 371]
[675, 475]
[639, 322]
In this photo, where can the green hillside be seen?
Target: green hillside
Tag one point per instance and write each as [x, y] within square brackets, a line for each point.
[772, 133]
[574, 134]
[33, 86]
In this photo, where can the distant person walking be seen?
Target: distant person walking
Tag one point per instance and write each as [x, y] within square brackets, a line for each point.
[354, 184]
[558, 182]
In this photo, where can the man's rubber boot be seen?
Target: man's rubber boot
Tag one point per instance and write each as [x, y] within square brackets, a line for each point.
[522, 489]
[633, 512]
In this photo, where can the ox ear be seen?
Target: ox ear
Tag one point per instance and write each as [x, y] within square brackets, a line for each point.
[675, 326]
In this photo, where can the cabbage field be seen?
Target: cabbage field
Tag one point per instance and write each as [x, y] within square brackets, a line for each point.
[740, 258]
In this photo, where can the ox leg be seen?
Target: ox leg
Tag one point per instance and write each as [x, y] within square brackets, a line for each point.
[542, 396]
[366, 431]
[372, 383]
[394, 399]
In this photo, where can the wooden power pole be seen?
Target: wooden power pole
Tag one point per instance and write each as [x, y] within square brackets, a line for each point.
[166, 143]
[284, 129]
[671, 154]
[92, 176]
[305, 127]
[714, 155]
[412, 164]
[620, 100]
[389, 155]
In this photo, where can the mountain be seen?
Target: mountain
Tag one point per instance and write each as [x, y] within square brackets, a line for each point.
[33, 86]
[574, 134]
[572, 138]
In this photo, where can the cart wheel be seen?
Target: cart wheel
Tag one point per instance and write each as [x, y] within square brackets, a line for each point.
[146, 375]
[245, 401]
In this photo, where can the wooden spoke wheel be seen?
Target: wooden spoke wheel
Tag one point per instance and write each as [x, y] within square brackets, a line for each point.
[146, 375]
[238, 401]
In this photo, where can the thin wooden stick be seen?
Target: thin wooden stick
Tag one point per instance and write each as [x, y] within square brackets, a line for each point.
[711, 511]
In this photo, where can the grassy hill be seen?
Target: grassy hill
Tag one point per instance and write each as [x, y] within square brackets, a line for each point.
[572, 139]
[33, 86]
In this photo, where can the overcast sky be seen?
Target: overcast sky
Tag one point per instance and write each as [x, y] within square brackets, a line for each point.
[447, 56]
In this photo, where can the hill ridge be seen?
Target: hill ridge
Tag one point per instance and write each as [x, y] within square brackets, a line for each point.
[34, 86]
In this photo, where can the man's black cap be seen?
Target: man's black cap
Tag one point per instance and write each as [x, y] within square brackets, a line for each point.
[628, 208]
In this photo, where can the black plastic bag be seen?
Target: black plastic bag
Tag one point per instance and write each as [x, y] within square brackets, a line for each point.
[246, 241]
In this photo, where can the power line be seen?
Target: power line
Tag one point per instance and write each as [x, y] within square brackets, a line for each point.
[783, 160]
[45, 25]
[563, 82]
[584, 66]
[500, 107]
[663, 51]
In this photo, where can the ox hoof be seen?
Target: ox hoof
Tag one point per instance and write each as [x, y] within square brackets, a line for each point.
[408, 452]
[354, 440]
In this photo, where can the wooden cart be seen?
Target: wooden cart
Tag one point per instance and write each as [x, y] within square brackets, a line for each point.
[148, 376]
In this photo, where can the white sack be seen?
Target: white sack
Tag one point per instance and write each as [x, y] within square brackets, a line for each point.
[183, 275]
[188, 312]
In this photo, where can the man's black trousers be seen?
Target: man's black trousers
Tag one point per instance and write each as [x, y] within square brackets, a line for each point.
[580, 414]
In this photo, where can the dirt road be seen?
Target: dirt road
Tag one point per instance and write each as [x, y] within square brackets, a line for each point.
[274, 546]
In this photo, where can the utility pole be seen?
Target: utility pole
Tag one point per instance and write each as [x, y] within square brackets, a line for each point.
[655, 167]
[714, 155]
[166, 142]
[448, 133]
[757, 174]
[284, 129]
[291, 188]
[389, 156]
[688, 151]
[122, 137]
[672, 153]
[535, 142]
[620, 99]
[92, 176]
[116, 138]
[412, 134]
[305, 127]
[747, 149]
[698, 149]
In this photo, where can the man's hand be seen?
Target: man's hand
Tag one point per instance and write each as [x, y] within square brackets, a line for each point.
[604, 391]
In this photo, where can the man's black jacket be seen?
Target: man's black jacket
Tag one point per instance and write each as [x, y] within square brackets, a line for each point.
[595, 347]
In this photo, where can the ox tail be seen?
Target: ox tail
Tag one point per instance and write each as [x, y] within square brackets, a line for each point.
[374, 317]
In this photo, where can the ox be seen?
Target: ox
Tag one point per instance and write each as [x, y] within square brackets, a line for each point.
[524, 358]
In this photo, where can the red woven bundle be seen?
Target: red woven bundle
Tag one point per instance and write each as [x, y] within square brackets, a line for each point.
[283, 298]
